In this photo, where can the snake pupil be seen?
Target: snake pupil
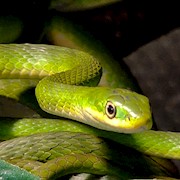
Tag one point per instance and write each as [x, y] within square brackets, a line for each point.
[110, 110]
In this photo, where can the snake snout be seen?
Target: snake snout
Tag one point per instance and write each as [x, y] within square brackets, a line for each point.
[145, 126]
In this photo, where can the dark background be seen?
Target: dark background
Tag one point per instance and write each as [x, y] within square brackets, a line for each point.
[123, 27]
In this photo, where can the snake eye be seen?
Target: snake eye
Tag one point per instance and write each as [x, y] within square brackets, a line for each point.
[110, 110]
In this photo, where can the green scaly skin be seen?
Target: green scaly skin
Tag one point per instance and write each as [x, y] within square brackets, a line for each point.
[81, 103]
[145, 142]
[132, 112]
[62, 32]
[50, 155]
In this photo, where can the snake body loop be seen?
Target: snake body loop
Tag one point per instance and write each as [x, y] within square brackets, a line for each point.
[65, 80]
[56, 95]
[69, 152]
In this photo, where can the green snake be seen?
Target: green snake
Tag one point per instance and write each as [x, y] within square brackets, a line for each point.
[110, 109]
[66, 93]
[112, 136]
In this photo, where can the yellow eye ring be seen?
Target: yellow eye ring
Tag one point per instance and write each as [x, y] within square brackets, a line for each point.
[110, 110]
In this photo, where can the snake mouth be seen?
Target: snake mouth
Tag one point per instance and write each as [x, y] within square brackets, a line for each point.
[145, 127]
[93, 119]
[139, 125]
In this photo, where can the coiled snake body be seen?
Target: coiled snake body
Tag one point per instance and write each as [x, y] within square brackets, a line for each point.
[62, 78]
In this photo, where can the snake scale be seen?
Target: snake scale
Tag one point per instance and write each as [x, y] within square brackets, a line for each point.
[112, 136]
[109, 109]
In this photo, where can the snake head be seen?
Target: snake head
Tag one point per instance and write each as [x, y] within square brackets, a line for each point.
[121, 111]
